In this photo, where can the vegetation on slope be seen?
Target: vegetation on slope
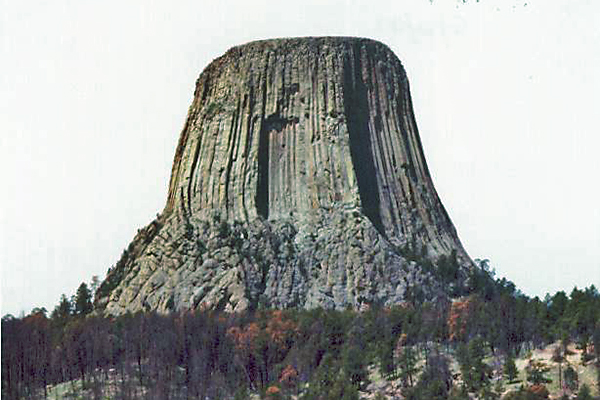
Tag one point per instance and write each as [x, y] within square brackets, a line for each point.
[485, 344]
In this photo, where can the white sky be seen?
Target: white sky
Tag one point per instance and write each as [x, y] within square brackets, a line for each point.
[93, 96]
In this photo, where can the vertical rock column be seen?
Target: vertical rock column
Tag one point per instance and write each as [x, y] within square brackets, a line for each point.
[279, 128]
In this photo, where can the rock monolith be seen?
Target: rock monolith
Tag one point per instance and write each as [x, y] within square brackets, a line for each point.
[299, 180]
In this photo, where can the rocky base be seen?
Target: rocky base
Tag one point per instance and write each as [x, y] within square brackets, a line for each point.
[332, 259]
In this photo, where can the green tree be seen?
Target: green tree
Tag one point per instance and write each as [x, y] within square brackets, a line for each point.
[557, 306]
[475, 373]
[558, 358]
[39, 310]
[435, 381]
[571, 378]
[328, 383]
[584, 393]
[596, 340]
[385, 350]
[510, 369]
[83, 300]
[63, 309]
[354, 364]
[536, 372]
[408, 366]
[343, 390]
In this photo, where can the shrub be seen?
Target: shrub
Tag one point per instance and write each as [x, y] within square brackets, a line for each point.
[536, 372]
[273, 392]
[540, 391]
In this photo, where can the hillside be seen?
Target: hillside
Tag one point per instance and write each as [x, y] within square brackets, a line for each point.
[418, 350]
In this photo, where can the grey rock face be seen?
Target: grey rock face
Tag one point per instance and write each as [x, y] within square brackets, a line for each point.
[298, 179]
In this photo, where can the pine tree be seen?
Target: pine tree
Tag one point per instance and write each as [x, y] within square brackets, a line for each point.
[354, 365]
[536, 372]
[475, 373]
[387, 366]
[63, 309]
[83, 300]
[559, 358]
[435, 381]
[510, 369]
[571, 378]
[408, 366]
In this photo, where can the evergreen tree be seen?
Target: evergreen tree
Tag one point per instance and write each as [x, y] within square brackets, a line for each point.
[510, 369]
[63, 309]
[558, 358]
[571, 379]
[385, 350]
[435, 381]
[343, 390]
[536, 372]
[408, 366]
[39, 310]
[83, 300]
[596, 340]
[584, 393]
[354, 365]
[475, 373]
[354, 362]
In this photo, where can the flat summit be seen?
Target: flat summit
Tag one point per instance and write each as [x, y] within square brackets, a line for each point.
[299, 180]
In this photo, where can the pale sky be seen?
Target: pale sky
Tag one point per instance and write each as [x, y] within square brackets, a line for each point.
[93, 96]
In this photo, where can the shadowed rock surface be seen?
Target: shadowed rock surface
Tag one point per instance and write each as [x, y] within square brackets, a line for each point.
[299, 181]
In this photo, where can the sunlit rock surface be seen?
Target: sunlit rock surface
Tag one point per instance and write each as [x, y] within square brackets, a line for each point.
[299, 180]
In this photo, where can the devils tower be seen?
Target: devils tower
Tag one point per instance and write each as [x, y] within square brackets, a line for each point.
[299, 180]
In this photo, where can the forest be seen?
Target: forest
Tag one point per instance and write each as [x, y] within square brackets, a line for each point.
[308, 354]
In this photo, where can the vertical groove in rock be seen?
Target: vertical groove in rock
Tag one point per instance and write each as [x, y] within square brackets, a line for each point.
[356, 110]
[262, 191]
[298, 177]
[262, 186]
